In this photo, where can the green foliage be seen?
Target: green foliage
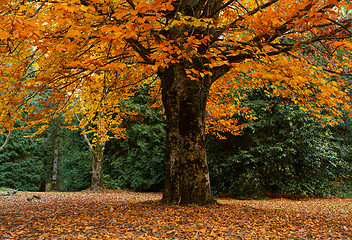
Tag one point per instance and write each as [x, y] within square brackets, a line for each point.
[137, 162]
[343, 136]
[20, 164]
[107, 182]
[26, 163]
[75, 162]
[285, 151]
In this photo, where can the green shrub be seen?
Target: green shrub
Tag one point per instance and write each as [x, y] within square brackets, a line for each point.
[75, 162]
[20, 165]
[285, 151]
[137, 162]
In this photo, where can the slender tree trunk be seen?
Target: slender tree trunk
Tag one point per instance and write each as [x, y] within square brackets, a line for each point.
[56, 158]
[186, 174]
[6, 141]
[98, 156]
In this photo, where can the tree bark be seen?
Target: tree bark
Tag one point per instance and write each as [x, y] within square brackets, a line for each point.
[56, 157]
[186, 174]
[98, 156]
[6, 141]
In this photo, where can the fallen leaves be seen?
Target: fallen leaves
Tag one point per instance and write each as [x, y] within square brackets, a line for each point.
[131, 215]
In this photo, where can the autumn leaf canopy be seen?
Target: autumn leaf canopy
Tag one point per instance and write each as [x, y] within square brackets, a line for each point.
[85, 56]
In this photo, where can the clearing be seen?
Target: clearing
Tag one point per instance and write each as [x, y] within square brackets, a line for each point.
[131, 215]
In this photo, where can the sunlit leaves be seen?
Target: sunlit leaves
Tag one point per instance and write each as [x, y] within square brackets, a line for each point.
[71, 44]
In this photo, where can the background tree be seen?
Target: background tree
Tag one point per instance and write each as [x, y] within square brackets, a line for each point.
[97, 155]
[56, 158]
[75, 162]
[6, 141]
[105, 124]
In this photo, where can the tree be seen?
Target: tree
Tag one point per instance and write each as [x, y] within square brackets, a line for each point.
[102, 120]
[97, 156]
[193, 46]
[76, 160]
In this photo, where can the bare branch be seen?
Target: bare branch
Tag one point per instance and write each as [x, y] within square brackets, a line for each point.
[218, 33]
[131, 3]
[83, 131]
[6, 141]
[142, 51]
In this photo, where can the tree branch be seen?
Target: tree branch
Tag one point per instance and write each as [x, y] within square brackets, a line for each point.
[6, 141]
[140, 49]
[131, 3]
[218, 33]
[83, 131]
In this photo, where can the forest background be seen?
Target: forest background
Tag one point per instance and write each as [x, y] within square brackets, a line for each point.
[285, 150]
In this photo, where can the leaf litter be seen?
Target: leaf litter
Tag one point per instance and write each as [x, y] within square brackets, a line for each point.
[132, 215]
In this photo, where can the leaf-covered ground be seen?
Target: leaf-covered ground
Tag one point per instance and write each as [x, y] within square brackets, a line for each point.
[130, 215]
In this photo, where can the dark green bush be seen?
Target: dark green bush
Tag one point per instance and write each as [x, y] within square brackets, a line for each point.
[285, 151]
[137, 162]
[75, 162]
[20, 165]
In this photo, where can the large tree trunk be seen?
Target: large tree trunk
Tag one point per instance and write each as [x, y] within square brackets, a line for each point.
[186, 174]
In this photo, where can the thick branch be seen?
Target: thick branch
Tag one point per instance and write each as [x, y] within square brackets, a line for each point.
[131, 3]
[140, 49]
[220, 71]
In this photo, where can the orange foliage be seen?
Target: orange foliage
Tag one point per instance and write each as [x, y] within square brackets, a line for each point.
[87, 55]
[132, 215]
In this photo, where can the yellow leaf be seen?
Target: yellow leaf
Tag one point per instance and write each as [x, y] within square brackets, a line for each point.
[22, 8]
